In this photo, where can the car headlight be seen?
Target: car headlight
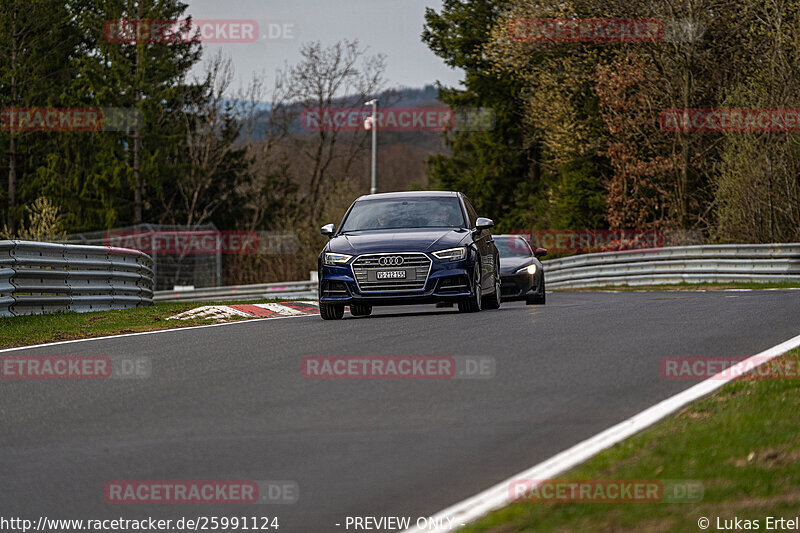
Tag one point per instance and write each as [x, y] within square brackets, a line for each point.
[336, 259]
[530, 269]
[452, 254]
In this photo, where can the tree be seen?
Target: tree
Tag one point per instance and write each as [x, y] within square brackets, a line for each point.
[33, 71]
[578, 196]
[641, 157]
[757, 176]
[601, 101]
[144, 76]
[338, 76]
[498, 169]
[215, 167]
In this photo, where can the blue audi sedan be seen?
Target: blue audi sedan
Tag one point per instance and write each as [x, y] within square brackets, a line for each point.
[409, 248]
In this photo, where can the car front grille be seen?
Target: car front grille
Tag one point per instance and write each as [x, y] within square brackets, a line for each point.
[414, 263]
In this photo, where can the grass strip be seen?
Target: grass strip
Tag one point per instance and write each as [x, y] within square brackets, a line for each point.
[39, 329]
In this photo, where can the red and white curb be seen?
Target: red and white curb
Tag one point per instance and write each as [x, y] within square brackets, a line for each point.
[269, 310]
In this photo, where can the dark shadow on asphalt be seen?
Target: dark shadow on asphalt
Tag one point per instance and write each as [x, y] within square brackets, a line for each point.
[420, 313]
[412, 313]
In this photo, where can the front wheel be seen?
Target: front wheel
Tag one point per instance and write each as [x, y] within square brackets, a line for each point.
[473, 303]
[331, 311]
[493, 301]
[536, 299]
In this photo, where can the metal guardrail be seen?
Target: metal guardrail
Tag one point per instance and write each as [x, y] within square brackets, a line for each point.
[288, 290]
[40, 277]
[690, 264]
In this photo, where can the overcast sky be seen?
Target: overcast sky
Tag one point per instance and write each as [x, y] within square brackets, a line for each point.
[391, 27]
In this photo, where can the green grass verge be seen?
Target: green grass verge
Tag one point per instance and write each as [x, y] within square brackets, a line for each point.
[742, 443]
[38, 329]
[689, 287]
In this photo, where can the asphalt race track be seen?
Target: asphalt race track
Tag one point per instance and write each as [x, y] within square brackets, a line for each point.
[230, 403]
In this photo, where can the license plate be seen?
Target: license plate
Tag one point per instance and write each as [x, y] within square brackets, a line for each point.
[391, 274]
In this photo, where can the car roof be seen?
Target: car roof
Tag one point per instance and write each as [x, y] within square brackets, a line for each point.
[408, 194]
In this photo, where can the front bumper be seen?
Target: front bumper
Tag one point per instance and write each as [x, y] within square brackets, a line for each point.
[446, 282]
[517, 286]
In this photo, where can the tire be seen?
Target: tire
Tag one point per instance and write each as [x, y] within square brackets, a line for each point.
[536, 299]
[360, 310]
[331, 311]
[493, 301]
[473, 303]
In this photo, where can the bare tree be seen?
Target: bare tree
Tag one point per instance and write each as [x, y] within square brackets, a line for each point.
[216, 163]
[342, 76]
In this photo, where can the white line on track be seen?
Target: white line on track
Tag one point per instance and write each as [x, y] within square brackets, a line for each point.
[497, 496]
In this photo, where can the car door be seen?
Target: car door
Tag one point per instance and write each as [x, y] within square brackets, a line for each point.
[485, 245]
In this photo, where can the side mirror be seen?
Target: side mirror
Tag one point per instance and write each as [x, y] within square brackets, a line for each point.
[328, 229]
[483, 223]
[540, 252]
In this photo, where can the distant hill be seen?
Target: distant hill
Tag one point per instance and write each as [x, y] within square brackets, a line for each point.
[403, 155]
[399, 97]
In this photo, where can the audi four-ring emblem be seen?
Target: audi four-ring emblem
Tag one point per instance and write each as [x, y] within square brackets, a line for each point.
[394, 260]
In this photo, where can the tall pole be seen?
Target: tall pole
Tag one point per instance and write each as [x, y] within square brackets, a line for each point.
[374, 187]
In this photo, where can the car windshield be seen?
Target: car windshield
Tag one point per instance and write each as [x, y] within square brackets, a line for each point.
[398, 213]
[515, 246]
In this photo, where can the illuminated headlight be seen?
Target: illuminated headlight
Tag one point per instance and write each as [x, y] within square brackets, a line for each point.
[452, 254]
[336, 259]
[530, 269]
